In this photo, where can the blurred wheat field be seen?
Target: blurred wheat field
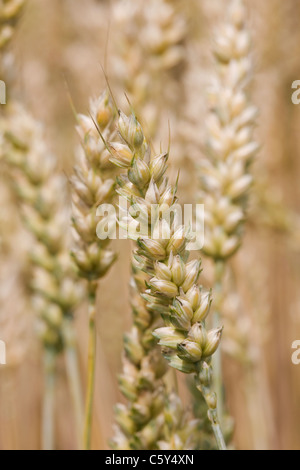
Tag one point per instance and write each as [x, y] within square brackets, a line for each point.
[55, 61]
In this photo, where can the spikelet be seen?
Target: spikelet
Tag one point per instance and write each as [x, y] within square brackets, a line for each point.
[179, 429]
[162, 242]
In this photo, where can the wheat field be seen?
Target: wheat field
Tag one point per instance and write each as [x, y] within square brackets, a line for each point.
[137, 344]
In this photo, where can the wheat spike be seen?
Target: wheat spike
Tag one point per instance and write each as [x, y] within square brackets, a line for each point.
[51, 278]
[161, 252]
[93, 184]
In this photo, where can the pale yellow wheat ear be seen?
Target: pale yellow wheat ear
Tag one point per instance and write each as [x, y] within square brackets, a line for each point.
[149, 55]
[51, 277]
[10, 11]
[93, 185]
[152, 417]
[230, 145]
[173, 289]
[144, 423]
[15, 316]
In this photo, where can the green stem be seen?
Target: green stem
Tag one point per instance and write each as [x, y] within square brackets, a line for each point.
[48, 401]
[213, 417]
[217, 358]
[91, 368]
[204, 384]
[72, 367]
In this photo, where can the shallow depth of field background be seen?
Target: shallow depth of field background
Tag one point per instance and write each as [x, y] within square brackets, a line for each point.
[60, 46]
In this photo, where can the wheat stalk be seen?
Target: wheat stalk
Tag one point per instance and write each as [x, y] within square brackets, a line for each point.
[172, 291]
[54, 295]
[93, 184]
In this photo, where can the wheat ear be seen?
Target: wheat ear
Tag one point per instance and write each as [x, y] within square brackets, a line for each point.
[54, 295]
[143, 67]
[93, 184]
[172, 291]
[152, 418]
[230, 147]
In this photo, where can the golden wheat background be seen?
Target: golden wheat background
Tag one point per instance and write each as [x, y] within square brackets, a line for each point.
[59, 49]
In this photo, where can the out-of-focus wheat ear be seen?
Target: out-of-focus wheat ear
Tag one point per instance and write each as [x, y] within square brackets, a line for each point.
[93, 184]
[231, 147]
[51, 278]
[161, 251]
[143, 68]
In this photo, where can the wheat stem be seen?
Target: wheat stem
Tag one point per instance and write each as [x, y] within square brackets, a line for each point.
[9, 423]
[217, 358]
[213, 417]
[218, 380]
[91, 368]
[75, 388]
[204, 381]
[48, 403]
[74, 379]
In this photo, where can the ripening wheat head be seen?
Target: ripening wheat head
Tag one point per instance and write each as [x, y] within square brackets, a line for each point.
[93, 184]
[36, 185]
[172, 289]
[145, 65]
[225, 175]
